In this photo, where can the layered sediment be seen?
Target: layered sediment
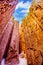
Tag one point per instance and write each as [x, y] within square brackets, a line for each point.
[31, 34]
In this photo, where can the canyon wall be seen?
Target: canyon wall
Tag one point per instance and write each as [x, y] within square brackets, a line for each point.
[6, 10]
[31, 34]
[9, 33]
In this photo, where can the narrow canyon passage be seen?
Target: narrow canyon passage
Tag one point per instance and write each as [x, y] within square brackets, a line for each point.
[21, 43]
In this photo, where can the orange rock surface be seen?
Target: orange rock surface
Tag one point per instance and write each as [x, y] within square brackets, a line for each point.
[31, 33]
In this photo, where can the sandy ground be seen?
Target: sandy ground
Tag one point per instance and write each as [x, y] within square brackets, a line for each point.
[23, 61]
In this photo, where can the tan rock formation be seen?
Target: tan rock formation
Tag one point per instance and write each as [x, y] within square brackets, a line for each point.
[31, 33]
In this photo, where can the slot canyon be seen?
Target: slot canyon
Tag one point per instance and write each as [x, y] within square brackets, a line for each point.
[24, 45]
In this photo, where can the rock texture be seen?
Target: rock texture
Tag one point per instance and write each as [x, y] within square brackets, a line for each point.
[12, 55]
[6, 9]
[9, 32]
[31, 34]
[9, 45]
[4, 44]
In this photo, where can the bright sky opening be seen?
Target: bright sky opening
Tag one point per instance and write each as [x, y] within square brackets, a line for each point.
[22, 9]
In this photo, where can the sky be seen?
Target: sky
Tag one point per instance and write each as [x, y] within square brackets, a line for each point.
[21, 10]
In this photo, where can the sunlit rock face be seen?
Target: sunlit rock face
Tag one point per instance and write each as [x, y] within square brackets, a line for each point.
[31, 33]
